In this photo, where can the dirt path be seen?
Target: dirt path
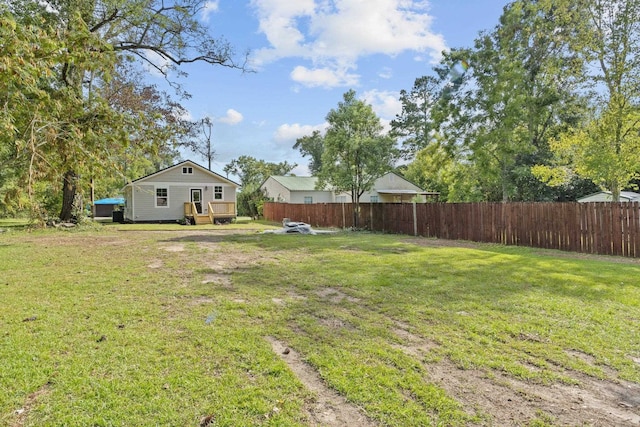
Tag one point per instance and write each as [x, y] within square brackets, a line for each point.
[330, 408]
[509, 401]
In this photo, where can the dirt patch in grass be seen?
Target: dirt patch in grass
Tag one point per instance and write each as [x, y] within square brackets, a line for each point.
[412, 345]
[329, 408]
[223, 280]
[173, 248]
[335, 296]
[22, 413]
[504, 400]
[155, 263]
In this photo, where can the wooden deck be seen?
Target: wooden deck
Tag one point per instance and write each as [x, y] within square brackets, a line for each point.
[217, 211]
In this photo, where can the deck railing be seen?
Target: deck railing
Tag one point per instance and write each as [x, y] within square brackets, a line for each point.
[222, 209]
[216, 210]
[190, 209]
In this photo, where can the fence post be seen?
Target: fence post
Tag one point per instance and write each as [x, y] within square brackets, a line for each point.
[371, 216]
[415, 219]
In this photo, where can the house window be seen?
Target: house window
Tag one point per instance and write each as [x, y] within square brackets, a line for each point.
[217, 192]
[374, 199]
[187, 170]
[162, 197]
[308, 200]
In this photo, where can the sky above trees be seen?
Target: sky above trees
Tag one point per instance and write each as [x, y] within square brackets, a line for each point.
[306, 56]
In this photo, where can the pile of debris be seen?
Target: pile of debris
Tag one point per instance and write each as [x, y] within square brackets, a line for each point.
[289, 227]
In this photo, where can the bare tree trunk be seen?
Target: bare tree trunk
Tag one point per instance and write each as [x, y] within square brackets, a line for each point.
[69, 188]
[355, 200]
[615, 192]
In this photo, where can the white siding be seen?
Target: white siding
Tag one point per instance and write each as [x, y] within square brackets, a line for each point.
[141, 195]
[175, 175]
[276, 191]
[128, 204]
[317, 196]
[389, 182]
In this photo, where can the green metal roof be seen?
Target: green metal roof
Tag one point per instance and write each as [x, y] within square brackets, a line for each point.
[297, 183]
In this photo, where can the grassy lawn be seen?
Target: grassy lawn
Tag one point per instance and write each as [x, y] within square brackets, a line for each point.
[135, 325]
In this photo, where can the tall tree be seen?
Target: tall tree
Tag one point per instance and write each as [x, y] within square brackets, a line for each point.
[153, 124]
[356, 152]
[608, 38]
[94, 36]
[18, 57]
[416, 127]
[516, 96]
[202, 145]
[312, 146]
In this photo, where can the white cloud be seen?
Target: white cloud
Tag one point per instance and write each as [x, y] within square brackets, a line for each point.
[385, 73]
[334, 34]
[232, 118]
[157, 64]
[323, 77]
[386, 104]
[182, 113]
[209, 8]
[289, 133]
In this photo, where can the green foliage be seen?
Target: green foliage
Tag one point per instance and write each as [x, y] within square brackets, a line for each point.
[65, 119]
[605, 149]
[497, 118]
[416, 125]
[253, 173]
[312, 146]
[356, 152]
[519, 94]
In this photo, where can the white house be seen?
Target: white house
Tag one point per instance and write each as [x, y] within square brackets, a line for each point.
[390, 188]
[605, 196]
[184, 190]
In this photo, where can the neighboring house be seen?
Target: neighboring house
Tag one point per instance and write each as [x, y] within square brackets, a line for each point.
[295, 189]
[105, 207]
[184, 190]
[390, 188]
[605, 196]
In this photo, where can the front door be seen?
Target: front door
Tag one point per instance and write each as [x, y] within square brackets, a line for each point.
[196, 197]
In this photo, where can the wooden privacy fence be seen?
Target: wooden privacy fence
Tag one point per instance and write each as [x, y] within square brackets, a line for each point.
[596, 228]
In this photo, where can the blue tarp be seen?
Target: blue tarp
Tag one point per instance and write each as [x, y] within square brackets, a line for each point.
[110, 201]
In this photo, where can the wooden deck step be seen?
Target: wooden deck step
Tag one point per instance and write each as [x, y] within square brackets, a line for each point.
[202, 219]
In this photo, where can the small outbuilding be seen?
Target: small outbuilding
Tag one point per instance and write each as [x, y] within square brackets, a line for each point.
[606, 196]
[105, 207]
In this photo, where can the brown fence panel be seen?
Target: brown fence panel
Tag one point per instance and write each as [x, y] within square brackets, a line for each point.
[602, 228]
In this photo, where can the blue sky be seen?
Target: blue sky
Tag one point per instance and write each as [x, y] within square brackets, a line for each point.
[307, 54]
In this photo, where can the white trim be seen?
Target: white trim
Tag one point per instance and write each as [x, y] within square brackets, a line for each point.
[155, 196]
[185, 184]
[203, 205]
[213, 192]
[149, 178]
